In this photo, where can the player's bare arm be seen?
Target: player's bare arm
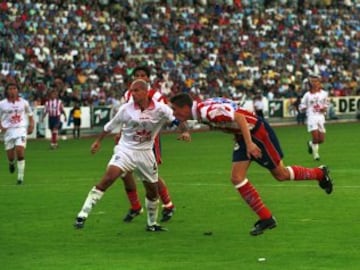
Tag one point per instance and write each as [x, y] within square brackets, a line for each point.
[30, 127]
[185, 134]
[97, 144]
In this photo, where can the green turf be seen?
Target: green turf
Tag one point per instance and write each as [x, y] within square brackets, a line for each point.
[315, 230]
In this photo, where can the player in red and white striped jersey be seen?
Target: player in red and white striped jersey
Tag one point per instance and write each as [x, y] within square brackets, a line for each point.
[142, 72]
[54, 108]
[16, 121]
[255, 141]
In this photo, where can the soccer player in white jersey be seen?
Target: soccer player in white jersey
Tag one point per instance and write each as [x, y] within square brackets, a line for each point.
[255, 141]
[141, 120]
[315, 102]
[16, 122]
[168, 208]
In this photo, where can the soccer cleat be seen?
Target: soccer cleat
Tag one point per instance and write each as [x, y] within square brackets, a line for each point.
[11, 167]
[167, 214]
[53, 146]
[19, 182]
[310, 151]
[79, 223]
[155, 228]
[132, 214]
[263, 224]
[326, 183]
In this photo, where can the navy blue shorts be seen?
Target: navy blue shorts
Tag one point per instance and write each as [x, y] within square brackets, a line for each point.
[265, 138]
[54, 122]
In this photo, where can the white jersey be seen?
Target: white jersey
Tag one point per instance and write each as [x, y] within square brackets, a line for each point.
[14, 114]
[315, 103]
[139, 128]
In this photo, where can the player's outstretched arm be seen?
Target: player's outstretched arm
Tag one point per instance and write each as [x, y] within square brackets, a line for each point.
[95, 147]
[185, 134]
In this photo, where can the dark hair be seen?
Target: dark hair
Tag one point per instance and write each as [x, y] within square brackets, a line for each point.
[143, 68]
[11, 84]
[182, 100]
[8, 86]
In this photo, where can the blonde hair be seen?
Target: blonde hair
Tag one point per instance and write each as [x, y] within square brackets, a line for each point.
[142, 81]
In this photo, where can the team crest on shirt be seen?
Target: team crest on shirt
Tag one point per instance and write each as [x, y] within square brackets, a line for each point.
[142, 135]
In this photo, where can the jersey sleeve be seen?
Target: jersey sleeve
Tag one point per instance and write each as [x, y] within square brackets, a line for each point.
[326, 101]
[168, 112]
[116, 120]
[28, 109]
[303, 103]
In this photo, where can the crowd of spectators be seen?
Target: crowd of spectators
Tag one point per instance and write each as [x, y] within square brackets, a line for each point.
[88, 49]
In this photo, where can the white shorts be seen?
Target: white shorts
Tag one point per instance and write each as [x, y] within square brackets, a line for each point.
[316, 123]
[15, 137]
[143, 160]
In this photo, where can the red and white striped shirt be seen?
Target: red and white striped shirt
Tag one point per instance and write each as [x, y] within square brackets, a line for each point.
[54, 107]
[219, 113]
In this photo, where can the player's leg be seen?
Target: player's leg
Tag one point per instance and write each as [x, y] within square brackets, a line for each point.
[20, 154]
[152, 206]
[55, 132]
[272, 160]
[168, 206]
[148, 172]
[11, 154]
[316, 140]
[319, 138]
[300, 173]
[313, 127]
[96, 193]
[132, 195]
[251, 197]
[54, 138]
[78, 131]
[52, 123]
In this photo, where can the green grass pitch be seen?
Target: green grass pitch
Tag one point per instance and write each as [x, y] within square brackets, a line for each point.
[315, 230]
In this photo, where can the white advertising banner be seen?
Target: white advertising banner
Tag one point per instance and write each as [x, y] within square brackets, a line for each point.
[42, 129]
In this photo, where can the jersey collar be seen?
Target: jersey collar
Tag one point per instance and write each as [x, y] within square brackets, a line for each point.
[150, 107]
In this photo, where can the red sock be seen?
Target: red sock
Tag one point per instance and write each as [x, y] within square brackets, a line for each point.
[252, 197]
[133, 199]
[164, 194]
[54, 137]
[302, 173]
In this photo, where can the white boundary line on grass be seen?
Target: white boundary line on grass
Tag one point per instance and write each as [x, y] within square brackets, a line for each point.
[275, 185]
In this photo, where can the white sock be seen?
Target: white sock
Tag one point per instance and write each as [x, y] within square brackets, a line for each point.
[152, 211]
[315, 148]
[21, 169]
[93, 197]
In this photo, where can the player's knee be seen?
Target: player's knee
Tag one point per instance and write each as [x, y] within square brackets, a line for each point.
[281, 175]
[238, 182]
[152, 195]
